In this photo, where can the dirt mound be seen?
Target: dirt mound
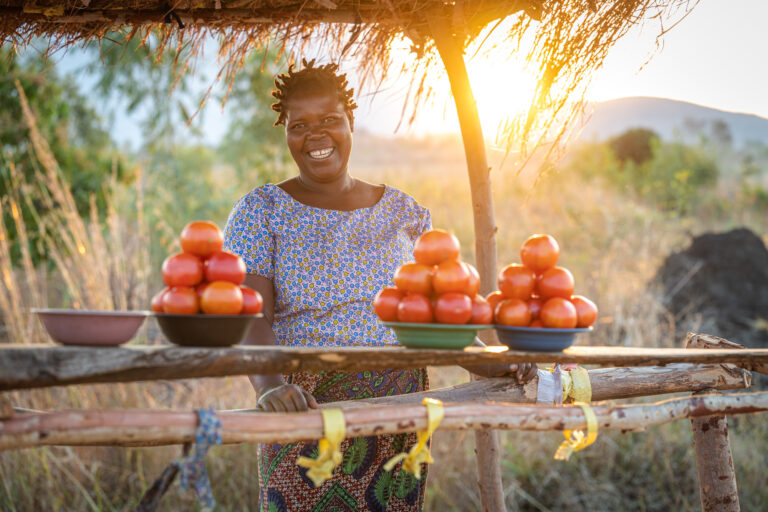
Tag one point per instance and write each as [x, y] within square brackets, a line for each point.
[719, 285]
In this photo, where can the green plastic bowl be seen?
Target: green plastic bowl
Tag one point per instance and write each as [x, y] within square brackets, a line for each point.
[442, 336]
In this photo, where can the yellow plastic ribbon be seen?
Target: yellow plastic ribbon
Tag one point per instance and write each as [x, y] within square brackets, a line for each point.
[576, 385]
[419, 453]
[329, 455]
[577, 440]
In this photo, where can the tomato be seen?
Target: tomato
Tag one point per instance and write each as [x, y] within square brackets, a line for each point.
[201, 238]
[494, 298]
[435, 247]
[482, 313]
[385, 303]
[181, 300]
[225, 266]
[414, 278]
[222, 298]
[252, 301]
[540, 252]
[559, 313]
[182, 269]
[536, 323]
[474, 281]
[414, 308]
[199, 289]
[586, 311]
[157, 301]
[535, 305]
[555, 282]
[453, 308]
[513, 312]
[517, 281]
[451, 276]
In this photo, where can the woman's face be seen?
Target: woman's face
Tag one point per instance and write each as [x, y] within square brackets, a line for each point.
[318, 130]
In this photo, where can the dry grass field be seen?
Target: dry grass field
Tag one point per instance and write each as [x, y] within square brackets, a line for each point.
[612, 242]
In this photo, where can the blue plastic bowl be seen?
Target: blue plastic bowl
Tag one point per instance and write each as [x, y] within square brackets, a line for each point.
[539, 339]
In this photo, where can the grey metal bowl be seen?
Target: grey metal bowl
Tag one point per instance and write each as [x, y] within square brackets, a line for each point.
[539, 339]
[89, 327]
[205, 330]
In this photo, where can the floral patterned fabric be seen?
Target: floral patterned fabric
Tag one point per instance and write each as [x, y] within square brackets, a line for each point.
[327, 266]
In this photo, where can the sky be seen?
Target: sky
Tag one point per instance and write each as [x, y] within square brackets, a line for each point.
[716, 57]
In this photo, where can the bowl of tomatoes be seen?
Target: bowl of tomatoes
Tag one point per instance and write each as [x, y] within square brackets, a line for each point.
[434, 302]
[535, 307]
[204, 302]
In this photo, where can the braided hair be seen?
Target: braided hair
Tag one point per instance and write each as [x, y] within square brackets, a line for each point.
[312, 78]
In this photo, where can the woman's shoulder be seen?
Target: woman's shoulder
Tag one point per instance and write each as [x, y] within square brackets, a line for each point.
[260, 199]
[404, 201]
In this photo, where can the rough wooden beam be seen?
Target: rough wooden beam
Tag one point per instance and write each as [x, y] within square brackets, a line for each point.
[694, 340]
[6, 408]
[714, 462]
[607, 384]
[36, 366]
[151, 428]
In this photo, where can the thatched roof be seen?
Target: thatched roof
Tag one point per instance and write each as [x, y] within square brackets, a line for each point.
[566, 40]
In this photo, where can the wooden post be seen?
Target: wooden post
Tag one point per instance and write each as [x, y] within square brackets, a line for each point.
[6, 409]
[452, 54]
[714, 462]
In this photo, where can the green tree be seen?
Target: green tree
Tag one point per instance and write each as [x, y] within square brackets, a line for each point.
[82, 147]
[634, 145]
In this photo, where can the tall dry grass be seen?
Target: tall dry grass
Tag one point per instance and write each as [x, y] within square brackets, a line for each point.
[612, 242]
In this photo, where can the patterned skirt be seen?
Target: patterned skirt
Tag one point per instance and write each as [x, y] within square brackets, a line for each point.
[360, 482]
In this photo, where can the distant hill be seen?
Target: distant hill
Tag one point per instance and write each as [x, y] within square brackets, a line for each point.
[671, 119]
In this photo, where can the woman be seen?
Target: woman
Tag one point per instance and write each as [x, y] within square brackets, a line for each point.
[318, 247]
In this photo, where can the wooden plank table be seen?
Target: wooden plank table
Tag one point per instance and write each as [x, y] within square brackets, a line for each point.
[36, 366]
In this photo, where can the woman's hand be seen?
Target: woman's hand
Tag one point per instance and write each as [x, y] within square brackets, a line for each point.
[523, 372]
[286, 398]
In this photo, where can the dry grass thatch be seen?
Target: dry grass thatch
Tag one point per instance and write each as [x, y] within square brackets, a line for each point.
[564, 40]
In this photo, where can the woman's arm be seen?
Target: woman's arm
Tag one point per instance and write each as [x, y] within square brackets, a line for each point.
[524, 372]
[273, 394]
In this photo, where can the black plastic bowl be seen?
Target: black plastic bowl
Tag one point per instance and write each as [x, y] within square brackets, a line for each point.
[205, 330]
[539, 339]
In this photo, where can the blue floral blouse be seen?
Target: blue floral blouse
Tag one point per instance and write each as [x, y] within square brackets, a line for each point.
[326, 265]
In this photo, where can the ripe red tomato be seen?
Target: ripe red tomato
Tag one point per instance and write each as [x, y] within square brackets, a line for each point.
[385, 303]
[536, 323]
[414, 278]
[252, 301]
[222, 298]
[201, 238]
[535, 305]
[494, 298]
[225, 266]
[181, 300]
[513, 312]
[199, 289]
[517, 281]
[414, 308]
[453, 308]
[182, 269]
[157, 301]
[435, 247]
[555, 282]
[482, 313]
[586, 311]
[474, 281]
[451, 276]
[559, 313]
[540, 252]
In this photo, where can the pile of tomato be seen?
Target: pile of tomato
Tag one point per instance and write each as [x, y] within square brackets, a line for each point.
[437, 287]
[203, 278]
[538, 293]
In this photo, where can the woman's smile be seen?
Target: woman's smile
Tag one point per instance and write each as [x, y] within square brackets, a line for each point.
[320, 154]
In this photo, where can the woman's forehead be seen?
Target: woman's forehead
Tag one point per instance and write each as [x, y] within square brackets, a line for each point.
[311, 103]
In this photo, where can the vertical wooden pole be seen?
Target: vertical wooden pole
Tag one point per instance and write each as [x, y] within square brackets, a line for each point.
[452, 55]
[714, 462]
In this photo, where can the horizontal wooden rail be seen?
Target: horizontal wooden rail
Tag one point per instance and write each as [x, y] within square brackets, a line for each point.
[132, 427]
[36, 366]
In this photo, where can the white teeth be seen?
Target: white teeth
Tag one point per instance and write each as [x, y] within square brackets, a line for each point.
[320, 154]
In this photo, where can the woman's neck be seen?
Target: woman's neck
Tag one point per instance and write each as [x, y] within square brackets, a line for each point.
[340, 187]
